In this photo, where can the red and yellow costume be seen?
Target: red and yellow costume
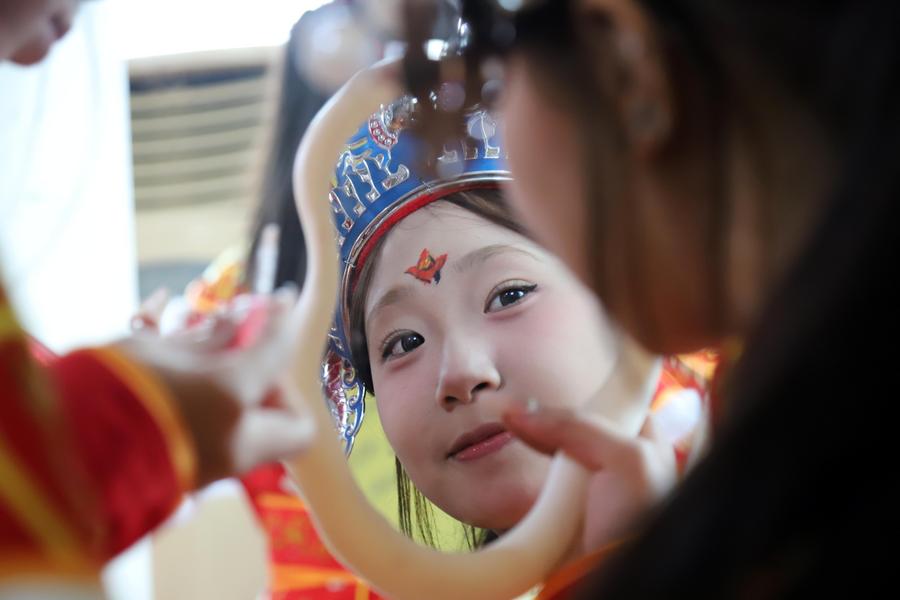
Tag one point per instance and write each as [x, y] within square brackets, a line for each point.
[300, 567]
[93, 455]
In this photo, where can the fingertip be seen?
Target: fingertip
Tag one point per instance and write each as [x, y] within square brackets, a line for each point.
[289, 289]
[649, 429]
[518, 420]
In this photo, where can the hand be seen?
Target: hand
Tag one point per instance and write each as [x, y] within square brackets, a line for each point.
[162, 316]
[630, 474]
[228, 393]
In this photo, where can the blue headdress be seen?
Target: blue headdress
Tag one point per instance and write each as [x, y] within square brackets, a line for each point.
[380, 179]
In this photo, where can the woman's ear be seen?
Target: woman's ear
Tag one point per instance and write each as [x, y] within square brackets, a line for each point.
[641, 87]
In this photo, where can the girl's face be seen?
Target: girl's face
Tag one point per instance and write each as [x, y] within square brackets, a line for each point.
[462, 317]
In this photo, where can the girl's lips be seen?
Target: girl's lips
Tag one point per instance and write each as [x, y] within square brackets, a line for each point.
[480, 442]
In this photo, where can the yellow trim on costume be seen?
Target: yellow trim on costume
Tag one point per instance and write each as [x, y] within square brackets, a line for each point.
[158, 401]
[573, 571]
[362, 591]
[9, 325]
[277, 501]
[36, 514]
[296, 577]
[701, 364]
[19, 566]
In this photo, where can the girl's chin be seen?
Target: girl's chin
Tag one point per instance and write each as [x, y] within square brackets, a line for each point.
[496, 513]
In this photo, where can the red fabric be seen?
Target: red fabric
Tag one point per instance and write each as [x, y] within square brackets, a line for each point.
[300, 566]
[29, 424]
[124, 453]
[89, 454]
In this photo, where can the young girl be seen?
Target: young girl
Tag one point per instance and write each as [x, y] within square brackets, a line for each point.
[449, 313]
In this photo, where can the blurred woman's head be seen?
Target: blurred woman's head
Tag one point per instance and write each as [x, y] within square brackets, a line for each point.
[690, 162]
[29, 28]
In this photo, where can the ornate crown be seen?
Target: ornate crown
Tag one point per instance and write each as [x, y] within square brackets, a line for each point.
[383, 175]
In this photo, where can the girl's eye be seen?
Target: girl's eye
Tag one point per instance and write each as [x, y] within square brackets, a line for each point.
[511, 293]
[401, 343]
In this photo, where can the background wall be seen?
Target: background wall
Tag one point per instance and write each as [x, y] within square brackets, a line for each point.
[67, 237]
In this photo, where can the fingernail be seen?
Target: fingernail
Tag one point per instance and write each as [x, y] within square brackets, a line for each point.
[289, 287]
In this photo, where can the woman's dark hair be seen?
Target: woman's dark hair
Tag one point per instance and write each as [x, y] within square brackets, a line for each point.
[298, 102]
[415, 513]
[799, 487]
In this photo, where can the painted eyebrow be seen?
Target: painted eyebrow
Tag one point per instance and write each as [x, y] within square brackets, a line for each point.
[479, 256]
[392, 296]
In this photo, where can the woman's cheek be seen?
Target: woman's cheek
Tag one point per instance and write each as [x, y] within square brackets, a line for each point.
[402, 405]
[531, 351]
[563, 348]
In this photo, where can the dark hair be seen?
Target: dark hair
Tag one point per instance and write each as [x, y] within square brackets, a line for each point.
[795, 491]
[413, 507]
[298, 102]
